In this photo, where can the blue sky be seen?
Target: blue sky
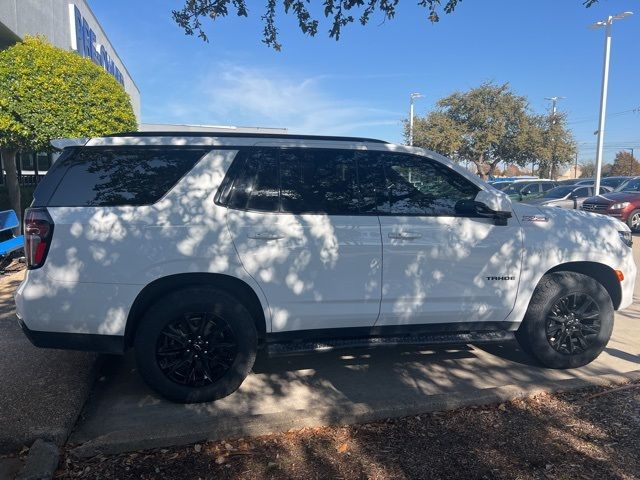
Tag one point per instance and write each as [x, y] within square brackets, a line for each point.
[360, 85]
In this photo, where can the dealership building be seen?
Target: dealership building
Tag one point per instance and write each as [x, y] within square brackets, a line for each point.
[70, 25]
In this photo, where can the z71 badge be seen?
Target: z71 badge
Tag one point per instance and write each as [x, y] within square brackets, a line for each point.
[535, 218]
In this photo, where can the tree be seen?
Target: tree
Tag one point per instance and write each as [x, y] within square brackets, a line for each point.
[625, 164]
[558, 146]
[48, 93]
[587, 170]
[486, 125]
[340, 13]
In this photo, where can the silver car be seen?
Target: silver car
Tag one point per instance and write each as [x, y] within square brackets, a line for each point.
[567, 196]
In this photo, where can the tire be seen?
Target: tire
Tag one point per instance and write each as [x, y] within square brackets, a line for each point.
[195, 345]
[633, 220]
[555, 337]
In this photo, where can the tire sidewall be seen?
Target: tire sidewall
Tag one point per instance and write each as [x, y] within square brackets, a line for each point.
[174, 305]
[551, 289]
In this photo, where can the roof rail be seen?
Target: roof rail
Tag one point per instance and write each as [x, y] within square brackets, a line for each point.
[287, 136]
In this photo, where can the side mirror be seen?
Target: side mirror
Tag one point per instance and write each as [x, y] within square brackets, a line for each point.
[487, 204]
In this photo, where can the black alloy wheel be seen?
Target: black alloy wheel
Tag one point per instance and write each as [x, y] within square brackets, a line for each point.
[196, 350]
[573, 324]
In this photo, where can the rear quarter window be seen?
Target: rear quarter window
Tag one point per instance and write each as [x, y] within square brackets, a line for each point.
[99, 176]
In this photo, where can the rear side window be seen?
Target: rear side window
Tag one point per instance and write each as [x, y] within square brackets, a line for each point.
[99, 176]
[318, 181]
[256, 186]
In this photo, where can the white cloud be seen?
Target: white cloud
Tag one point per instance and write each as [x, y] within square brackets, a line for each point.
[232, 94]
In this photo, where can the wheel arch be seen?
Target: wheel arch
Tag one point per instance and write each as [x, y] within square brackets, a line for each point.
[161, 286]
[603, 274]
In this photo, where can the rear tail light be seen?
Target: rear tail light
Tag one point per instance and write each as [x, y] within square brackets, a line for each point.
[38, 232]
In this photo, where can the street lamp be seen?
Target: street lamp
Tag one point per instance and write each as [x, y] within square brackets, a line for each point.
[412, 97]
[605, 81]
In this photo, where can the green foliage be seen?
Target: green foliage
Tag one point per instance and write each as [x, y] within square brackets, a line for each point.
[340, 13]
[48, 93]
[490, 124]
[625, 164]
[558, 146]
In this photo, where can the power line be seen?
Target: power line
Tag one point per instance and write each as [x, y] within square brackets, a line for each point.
[615, 114]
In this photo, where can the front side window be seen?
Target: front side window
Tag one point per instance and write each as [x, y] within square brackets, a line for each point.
[419, 186]
[547, 186]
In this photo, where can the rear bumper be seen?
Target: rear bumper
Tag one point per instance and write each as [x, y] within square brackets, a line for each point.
[113, 344]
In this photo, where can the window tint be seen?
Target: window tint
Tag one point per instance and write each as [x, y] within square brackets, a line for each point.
[256, 186]
[546, 186]
[98, 176]
[418, 186]
[318, 181]
[582, 192]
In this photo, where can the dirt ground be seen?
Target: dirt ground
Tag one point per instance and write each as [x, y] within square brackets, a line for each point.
[592, 433]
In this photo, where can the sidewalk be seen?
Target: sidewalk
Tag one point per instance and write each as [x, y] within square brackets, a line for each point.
[42, 391]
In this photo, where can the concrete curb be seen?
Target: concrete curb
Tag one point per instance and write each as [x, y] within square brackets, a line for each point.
[42, 461]
[125, 440]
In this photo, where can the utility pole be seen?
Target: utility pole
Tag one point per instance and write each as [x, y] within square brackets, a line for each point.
[412, 97]
[605, 84]
[554, 102]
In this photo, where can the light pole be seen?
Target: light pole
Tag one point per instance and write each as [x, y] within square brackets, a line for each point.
[412, 97]
[605, 81]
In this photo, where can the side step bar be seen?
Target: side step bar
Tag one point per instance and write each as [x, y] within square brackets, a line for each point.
[326, 345]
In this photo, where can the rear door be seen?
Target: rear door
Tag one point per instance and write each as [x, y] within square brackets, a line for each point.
[300, 229]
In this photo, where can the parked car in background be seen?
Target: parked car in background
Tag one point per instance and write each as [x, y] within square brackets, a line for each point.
[612, 182]
[566, 196]
[623, 203]
[519, 191]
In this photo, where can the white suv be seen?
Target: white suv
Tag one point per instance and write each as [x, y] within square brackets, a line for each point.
[199, 249]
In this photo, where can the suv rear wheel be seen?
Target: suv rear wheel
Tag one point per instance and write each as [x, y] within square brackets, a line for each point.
[569, 320]
[196, 345]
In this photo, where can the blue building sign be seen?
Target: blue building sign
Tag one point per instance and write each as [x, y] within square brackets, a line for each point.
[83, 40]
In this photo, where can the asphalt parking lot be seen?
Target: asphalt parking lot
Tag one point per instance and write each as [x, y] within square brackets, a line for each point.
[336, 387]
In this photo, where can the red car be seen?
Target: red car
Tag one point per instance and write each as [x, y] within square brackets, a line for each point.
[623, 203]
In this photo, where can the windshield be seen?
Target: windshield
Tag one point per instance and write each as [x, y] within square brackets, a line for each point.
[632, 185]
[558, 192]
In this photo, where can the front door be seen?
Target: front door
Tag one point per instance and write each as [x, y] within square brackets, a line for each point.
[296, 221]
[439, 266]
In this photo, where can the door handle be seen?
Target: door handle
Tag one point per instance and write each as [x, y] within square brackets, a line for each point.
[405, 235]
[266, 236]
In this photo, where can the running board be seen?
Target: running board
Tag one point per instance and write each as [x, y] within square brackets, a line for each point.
[327, 345]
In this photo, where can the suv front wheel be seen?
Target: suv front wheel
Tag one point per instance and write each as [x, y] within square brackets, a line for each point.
[569, 320]
[196, 344]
